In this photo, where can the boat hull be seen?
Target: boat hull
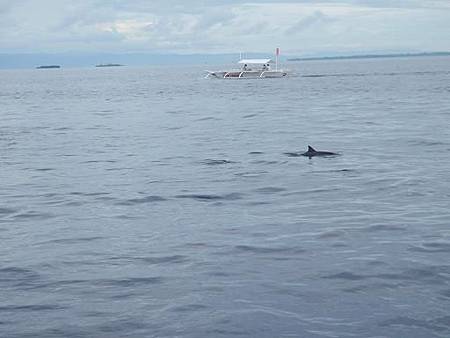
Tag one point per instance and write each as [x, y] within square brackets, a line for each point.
[247, 74]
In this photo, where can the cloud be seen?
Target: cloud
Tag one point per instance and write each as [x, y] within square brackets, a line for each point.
[223, 26]
[308, 22]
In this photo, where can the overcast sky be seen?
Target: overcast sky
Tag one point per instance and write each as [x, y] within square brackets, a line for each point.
[299, 27]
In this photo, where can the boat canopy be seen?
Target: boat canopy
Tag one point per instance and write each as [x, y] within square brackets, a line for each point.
[255, 61]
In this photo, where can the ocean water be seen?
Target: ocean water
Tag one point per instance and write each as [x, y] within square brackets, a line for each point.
[150, 202]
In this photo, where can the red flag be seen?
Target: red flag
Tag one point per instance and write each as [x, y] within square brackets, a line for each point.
[278, 51]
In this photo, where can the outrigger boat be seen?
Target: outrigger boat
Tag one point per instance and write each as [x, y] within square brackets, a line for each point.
[251, 68]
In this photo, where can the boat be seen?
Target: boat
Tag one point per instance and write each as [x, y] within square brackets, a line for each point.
[109, 65]
[251, 69]
[48, 67]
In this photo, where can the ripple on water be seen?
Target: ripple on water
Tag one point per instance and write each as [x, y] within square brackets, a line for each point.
[214, 162]
[211, 197]
[88, 194]
[370, 287]
[445, 293]
[437, 275]
[7, 211]
[33, 215]
[189, 308]
[57, 285]
[74, 240]
[33, 307]
[172, 259]
[17, 277]
[427, 143]
[142, 200]
[208, 118]
[331, 234]
[123, 325]
[432, 274]
[345, 275]
[264, 162]
[251, 174]
[249, 116]
[269, 190]
[98, 161]
[384, 227]
[438, 324]
[44, 169]
[128, 282]
[269, 250]
[290, 154]
[431, 247]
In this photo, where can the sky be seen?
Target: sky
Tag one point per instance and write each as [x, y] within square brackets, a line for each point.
[302, 27]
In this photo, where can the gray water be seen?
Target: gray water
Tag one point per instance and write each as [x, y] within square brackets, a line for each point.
[154, 203]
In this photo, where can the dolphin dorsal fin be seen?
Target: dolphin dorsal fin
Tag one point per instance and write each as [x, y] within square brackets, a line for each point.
[311, 149]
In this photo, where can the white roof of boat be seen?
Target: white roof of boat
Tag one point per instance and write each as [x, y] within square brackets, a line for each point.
[255, 61]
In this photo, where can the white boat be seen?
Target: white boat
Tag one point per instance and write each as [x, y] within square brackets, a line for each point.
[251, 69]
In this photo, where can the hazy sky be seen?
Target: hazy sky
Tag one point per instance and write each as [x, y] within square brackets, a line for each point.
[216, 26]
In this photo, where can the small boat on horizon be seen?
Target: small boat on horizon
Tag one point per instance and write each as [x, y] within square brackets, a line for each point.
[109, 65]
[48, 67]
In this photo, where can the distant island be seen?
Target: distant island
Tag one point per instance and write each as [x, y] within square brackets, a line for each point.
[109, 65]
[369, 56]
[48, 67]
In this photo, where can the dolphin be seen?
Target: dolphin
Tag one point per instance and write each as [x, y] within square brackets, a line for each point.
[312, 152]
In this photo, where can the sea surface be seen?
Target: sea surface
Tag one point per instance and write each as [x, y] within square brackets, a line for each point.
[151, 202]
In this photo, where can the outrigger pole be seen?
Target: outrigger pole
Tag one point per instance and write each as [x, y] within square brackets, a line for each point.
[277, 52]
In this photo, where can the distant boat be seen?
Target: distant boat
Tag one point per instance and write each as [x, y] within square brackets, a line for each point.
[48, 67]
[251, 69]
[109, 65]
